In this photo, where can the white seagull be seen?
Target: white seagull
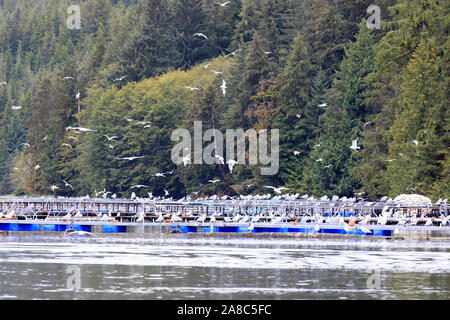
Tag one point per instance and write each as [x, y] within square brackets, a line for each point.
[222, 4]
[130, 158]
[276, 190]
[120, 79]
[191, 88]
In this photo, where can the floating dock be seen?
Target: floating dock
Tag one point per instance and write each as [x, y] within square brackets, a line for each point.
[221, 216]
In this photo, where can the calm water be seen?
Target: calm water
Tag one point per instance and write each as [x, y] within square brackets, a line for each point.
[46, 267]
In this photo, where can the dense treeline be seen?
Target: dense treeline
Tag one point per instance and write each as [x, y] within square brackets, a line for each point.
[310, 68]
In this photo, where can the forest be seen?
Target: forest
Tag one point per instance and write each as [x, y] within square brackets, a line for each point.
[75, 102]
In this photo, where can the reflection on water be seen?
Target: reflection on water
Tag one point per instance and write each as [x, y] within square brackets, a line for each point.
[36, 267]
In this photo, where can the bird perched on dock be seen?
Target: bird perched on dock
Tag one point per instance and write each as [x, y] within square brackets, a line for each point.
[429, 222]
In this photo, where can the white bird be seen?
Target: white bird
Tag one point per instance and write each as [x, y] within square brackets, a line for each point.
[365, 230]
[54, 188]
[110, 138]
[231, 163]
[130, 158]
[354, 145]
[139, 186]
[186, 160]
[222, 4]
[68, 78]
[192, 88]
[224, 87]
[429, 222]
[201, 218]
[26, 144]
[213, 181]
[66, 184]
[233, 53]
[416, 142]
[37, 167]
[219, 158]
[3, 83]
[390, 160]
[166, 193]
[198, 34]
[298, 115]
[70, 137]
[276, 190]
[296, 153]
[217, 72]
[16, 107]
[328, 166]
[80, 129]
[67, 145]
[159, 175]
[79, 233]
[319, 160]
[78, 96]
[267, 52]
[251, 227]
[367, 124]
[120, 79]
[207, 66]
[323, 105]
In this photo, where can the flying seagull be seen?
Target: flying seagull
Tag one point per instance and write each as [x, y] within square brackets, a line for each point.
[354, 145]
[191, 88]
[139, 186]
[110, 138]
[296, 153]
[120, 79]
[224, 87]
[323, 105]
[186, 160]
[213, 181]
[68, 78]
[222, 4]
[16, 107]
[276, 190]
[130, 158]
[198, 34]
[67, 145]
[66, 184]
[231, 163]
[80, 129]
[233, 53]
